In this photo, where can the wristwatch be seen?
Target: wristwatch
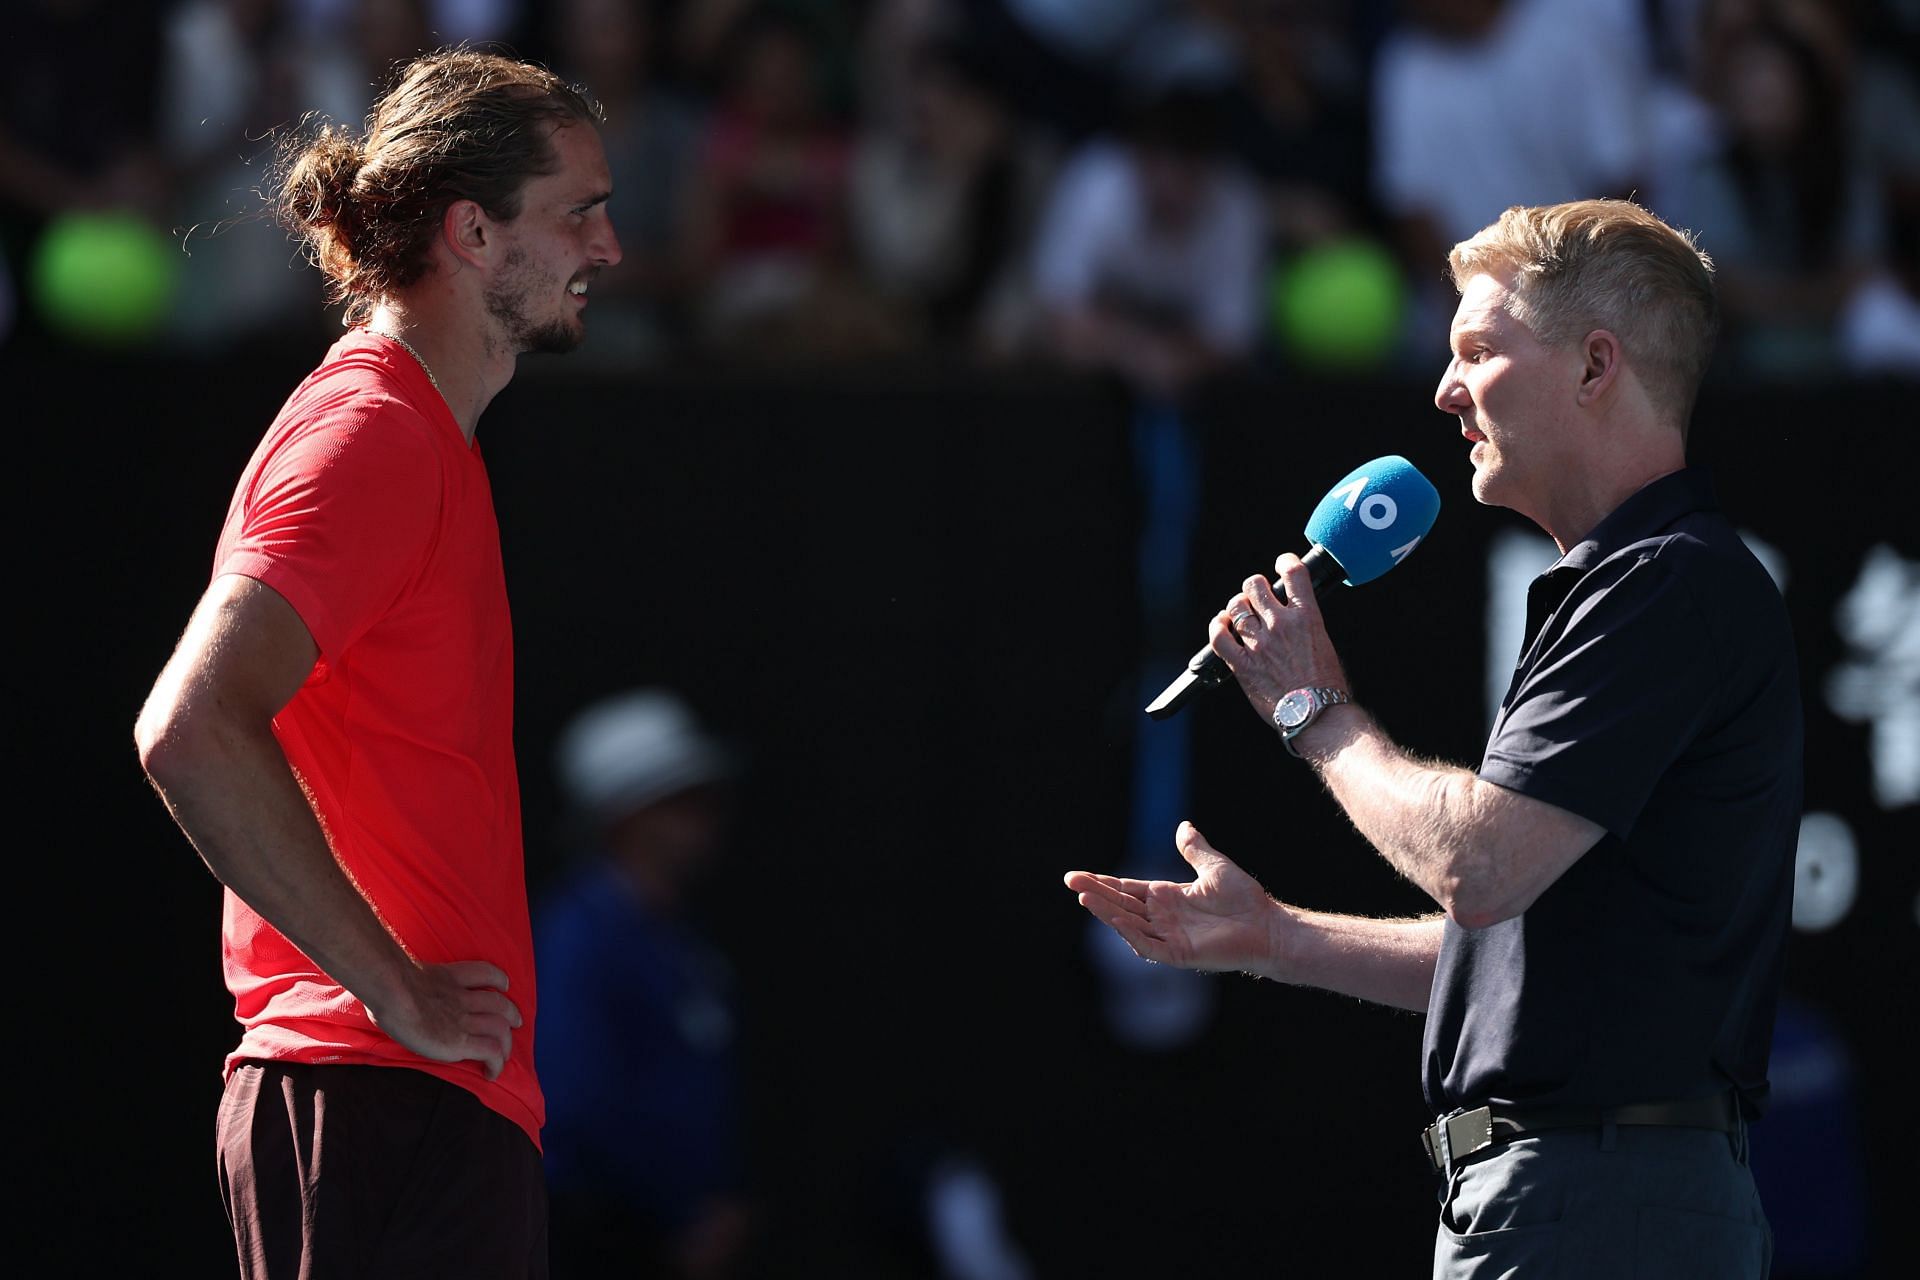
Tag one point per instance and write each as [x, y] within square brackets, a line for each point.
[1296, 710]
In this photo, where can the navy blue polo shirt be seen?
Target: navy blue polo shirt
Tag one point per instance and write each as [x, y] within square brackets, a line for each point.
[1658, 696]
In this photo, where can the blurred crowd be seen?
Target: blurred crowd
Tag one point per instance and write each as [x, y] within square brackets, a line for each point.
[1156, 188]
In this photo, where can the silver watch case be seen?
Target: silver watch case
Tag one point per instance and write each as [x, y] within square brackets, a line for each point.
[1300, 708]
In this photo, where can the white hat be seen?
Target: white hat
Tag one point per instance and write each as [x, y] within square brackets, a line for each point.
[630, 750]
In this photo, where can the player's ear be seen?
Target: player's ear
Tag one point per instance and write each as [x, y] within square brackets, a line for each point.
[468, 233]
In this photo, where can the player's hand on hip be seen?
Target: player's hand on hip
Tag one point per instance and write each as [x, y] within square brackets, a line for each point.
[1272, 646]
[456, 1012]
[1222, 920]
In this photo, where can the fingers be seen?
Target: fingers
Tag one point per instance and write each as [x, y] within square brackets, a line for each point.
[493, 1004]
[1144, 945]
[1225, 643]
[1091, 889]
[1246, 620]
[1110, 911]
[1294, 575]
[1138, 888]
[1193, 846]
[1266, 605]
[1121, 905]
[496, 1062]
[478, 973]
[1133, 929]
[490, 1017]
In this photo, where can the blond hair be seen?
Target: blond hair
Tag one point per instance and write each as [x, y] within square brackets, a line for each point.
[457, 124]
[1606, 264]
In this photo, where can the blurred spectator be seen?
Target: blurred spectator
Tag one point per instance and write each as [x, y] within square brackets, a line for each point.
[766, 221]
[943, 200]
[636, 1042]
[449, 21]
[1075, 64]
[1880, 326]
[1809, 1163]
[1880, 329]
[700, 34]
[1483, 104]
[344, 50]
[227, 82]
[73, 140]
[76, 121]
[236, 75]
[1299, 115]
[652, 137]
[936, 1210]
[1151, 252]
[1787, 208]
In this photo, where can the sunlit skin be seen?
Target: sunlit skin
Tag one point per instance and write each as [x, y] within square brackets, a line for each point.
[1560, 434]
[562, 237]
[1506, 387]
[1563, 435]
[500, 288]
[493, 289]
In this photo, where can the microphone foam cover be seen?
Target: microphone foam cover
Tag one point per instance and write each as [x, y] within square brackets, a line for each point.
[1375, 517]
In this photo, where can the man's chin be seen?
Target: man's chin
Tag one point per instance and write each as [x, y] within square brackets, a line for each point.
[554, 339]
[1485, 487]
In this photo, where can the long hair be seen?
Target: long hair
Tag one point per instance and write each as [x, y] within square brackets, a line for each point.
[456, 124]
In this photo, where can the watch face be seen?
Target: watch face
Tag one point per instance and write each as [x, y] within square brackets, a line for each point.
[1293, 709]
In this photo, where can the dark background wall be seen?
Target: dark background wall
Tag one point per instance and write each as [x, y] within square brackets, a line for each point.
[910, 595]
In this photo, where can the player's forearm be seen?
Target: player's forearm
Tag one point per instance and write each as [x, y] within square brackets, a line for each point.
[1388, 962]
[231, 790]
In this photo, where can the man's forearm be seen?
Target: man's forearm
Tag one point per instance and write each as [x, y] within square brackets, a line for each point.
[1388, 962]
[234, 795]
[1481, 852]
[1410, 811]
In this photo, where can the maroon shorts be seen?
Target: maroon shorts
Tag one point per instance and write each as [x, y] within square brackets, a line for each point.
[375, 1172]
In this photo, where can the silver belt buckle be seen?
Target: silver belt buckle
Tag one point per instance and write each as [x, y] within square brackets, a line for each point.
[1457, 1135]
[1468, 1132]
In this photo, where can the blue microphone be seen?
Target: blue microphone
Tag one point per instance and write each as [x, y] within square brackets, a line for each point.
[1367, 523]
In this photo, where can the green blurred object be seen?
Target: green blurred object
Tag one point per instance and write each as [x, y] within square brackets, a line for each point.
[1338, 305]
[103, 277]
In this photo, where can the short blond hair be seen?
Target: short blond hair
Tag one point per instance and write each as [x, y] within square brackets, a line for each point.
[1606, 264]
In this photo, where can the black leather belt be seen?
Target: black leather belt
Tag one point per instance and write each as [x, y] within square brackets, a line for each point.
[1453, 1137]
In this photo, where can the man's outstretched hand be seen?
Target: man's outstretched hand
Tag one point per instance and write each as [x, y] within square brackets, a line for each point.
[1222, 921]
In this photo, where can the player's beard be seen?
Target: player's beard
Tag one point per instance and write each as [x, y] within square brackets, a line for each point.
[510, 302]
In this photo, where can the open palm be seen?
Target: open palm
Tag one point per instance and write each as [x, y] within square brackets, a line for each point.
[1222, 920]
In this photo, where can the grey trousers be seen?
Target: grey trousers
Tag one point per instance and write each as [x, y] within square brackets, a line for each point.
[1620, 1203]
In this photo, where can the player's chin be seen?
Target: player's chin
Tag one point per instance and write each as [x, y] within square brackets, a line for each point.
[558, 338]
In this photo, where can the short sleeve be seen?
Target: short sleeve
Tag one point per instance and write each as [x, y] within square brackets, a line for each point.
[340, 519]
[1619, 693]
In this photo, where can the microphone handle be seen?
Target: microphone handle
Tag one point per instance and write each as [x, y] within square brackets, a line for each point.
[1205, 669]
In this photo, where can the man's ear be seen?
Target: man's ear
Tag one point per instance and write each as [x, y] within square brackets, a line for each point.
[1600, 367]
[468, 234]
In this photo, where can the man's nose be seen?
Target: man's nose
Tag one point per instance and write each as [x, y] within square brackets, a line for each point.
[606, 245]
[1451, 395]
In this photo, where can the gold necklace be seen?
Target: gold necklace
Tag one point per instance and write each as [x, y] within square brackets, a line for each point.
[424, 366]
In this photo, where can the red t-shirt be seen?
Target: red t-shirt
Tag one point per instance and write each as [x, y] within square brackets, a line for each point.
[366, 508]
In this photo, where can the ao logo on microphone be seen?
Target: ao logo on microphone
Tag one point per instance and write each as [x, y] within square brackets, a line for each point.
[1377, 512]
[1365, 520]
